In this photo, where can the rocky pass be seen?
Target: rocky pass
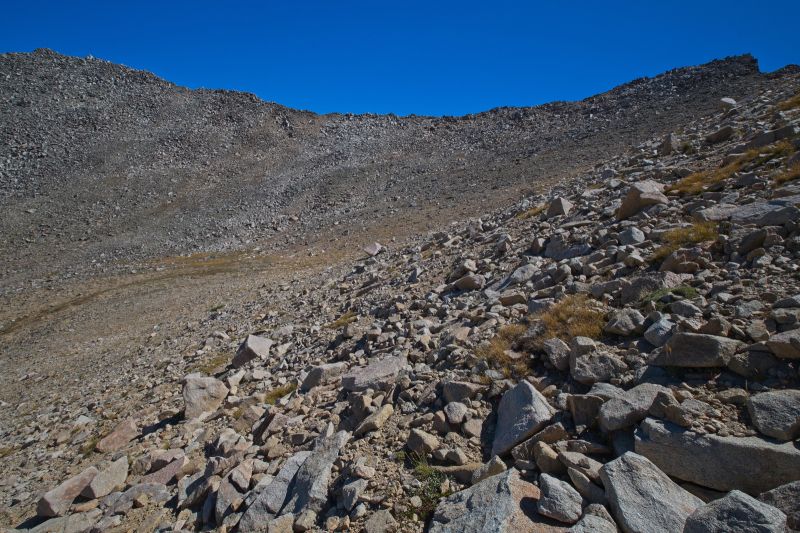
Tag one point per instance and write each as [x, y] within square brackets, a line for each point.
[222, 314]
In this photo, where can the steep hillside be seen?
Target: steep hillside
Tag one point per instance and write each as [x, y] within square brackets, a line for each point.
[101, 164]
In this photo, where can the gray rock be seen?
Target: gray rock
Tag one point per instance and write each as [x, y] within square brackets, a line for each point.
[310, 488]
[595, 366]
[421, 442]
[696, 350]
[125, 432]
[458, 391]
[322, 374]
[643, 498]
[120, 502]
[625, 322]
[590, 492]
[273, 497]
[722, 134]
[639, 287]
[375, 421]
[381, 521]
[493, 467]
[641, 195]
[659, 332]
[620, 413]
[522, 412]
[470, 282]
[559, 500]
[785, 345]
[107, 480]
[736, 513]
[352, 492]
[558, 207]
[254, 347]
[750, 464]
[786, 498]
[375, 372]
[500, 503]
[56, 502]
[593, 524]
[455, 412]
[202, 395]
[557, 353]
[776, 413]
[632, 235]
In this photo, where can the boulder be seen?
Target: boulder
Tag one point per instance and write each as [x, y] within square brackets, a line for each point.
[641, 195]
[202, 395]
[697, 350]
[522, 412]
[643, 498]
[319, 375]
[421, 442]
[107, 480]
[776, 413]
[785, 345]
[750, 464]
[786, 498]
[359, 379]
[125, 432]
[624, 322]
[501, 503]
[271, 499]
[559, 207]
[56, 502]
[632, 407]
[254, 347]
[375, 421]
[457, 391]
[559, 500]
[736, 513]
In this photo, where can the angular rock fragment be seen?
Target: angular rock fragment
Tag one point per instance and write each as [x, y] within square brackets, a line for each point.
[736, 513]
[56, 502]
[254, 347]
[696, 350]
[522, 412]
[202, 395]
[559, 500]
[776, 413]
[376, 371]
[641, 195]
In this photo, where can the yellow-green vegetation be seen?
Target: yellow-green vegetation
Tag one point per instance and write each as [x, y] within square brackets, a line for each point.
[89, 445]
[430, 489]
[699, 181]
[496, 350]
[279, 392]
[678, 238]
[5, 451]
[575, 315]
[534, 211]
[790, 103]
[208, 366]
[684, 291]
[347, 318]
[790, 174]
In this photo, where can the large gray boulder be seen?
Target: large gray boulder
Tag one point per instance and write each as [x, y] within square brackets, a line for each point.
[559, 500]
[522, 412]
[645, 499]
[56, 502]
[619, 413]
[787, 499]
[322, 374]
[641, 195]
[501, 503]
[254, 347]
[376, 371]
[736, 513]
[776, 413]
[696, 350]
[202, 395]
[750, 464]
[785, 345]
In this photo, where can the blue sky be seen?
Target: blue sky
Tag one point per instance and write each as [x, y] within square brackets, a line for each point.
[433, 57]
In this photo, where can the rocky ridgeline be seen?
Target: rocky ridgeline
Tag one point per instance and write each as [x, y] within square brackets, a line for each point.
[619, 354]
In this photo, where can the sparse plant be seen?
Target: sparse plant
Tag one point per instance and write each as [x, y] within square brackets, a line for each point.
[212, 364]
[678, 238]
[347, 318]
[790, 103]
[684, 291]
[573, 316]
[279, 392]
[534, 211]
[790, 174]
[430, 490]
[495, 351]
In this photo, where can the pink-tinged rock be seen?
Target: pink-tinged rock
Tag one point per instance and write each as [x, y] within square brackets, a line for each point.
[125, 432]
[108, 480]
[166, 475]
[254, 347]
[56, 502]
[373, 249]
[202, 395]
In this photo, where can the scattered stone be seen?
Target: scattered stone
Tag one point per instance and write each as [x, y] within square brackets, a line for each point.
[362, 378]
[736, 513]
[125, 432]
[776, 414]
[107, 480]
[56, 502]
[522, 412]
[559, 500]
[202, 395]
[641, 195]
[254, 347]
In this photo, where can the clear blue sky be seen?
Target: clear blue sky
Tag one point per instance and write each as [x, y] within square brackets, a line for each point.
[433, 57]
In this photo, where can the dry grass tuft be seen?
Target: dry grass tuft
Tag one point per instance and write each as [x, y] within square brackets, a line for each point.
[790, 174]
[678, 238]
[343, 320]
[700, 181]
[208, 367]
[496, 351]
[573, 316]
[532, 212]
[790, 103]
[279, 392]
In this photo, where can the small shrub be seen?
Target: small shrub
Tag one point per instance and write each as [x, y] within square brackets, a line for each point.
[678, 238]
[790, 103]
[496, 350]
[699, 181]
[347, 318]
[430, 489]
[684, 291]
[573, 316]
[279, 392]
[790, 174]
[208, 367]
[531, 212]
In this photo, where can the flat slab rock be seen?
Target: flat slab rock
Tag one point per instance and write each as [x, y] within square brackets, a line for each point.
[56, 502]
[749, 464]
[362, 378]
[254, 347]
[501, 503]
[697, 350]
[522, 412]
[643, 498]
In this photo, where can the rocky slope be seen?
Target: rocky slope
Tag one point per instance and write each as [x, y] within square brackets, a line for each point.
[101, 164]
[619, 352]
